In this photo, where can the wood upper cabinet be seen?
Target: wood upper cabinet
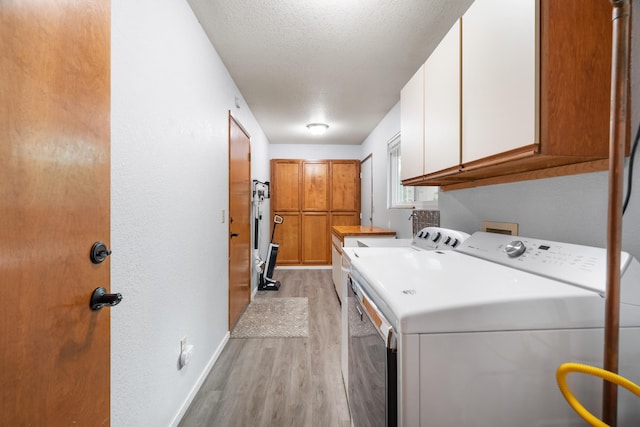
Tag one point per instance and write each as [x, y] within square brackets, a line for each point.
[315, 186]
[535, 91]
[345, 185]
[286, 176]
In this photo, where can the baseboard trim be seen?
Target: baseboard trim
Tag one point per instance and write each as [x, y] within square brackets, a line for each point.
[196, 387]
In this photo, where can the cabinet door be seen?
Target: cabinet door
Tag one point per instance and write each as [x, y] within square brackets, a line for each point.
[316, 242]
[412, 126]
[499, 73]
[288, 236]
[345, 185]
[345, 218]
[285, 185]
[442, 105]
[315, 186]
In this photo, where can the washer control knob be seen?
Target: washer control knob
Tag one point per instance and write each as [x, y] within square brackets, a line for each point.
[447, 240]
[436, 236]
[455, 243]
[515, 249]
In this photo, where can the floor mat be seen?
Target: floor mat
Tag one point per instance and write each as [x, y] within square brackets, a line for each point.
[274, 317]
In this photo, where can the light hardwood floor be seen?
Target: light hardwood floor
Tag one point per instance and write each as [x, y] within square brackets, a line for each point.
[280, 381]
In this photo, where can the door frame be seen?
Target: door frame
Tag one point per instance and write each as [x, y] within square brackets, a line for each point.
[234, 120]
[363, 194]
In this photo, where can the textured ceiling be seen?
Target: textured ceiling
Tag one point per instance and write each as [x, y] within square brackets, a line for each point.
[341, 62]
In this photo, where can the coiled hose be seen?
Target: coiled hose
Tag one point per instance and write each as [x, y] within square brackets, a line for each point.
[561, 375]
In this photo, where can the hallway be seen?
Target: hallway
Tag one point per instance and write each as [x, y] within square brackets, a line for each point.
[280, 381]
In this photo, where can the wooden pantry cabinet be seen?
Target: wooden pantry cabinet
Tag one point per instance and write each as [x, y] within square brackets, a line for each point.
[312, 196]
[534, 92]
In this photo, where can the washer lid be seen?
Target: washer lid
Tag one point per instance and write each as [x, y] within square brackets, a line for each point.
[447, 291]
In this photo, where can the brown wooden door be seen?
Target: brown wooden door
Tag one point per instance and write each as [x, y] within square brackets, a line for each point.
[288, 236]
[54, 204]
[316, 238]
[345, 185]
[345, 218]
[239, 220]
[315, 186]
[285, 185]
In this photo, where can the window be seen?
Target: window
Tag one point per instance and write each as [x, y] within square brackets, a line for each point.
[401, 196]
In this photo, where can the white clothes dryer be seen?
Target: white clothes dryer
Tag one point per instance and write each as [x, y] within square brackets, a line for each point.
[481, 330]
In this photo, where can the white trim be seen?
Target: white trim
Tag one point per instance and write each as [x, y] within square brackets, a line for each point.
[196, 387]
[394, 141]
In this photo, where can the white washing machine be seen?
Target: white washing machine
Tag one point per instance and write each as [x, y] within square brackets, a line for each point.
[481, 330]
[427, 239]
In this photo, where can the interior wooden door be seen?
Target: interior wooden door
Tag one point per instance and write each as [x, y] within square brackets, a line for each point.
[54, 204]
[239, 220]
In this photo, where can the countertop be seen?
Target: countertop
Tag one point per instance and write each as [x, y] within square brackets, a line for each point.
[360, 230]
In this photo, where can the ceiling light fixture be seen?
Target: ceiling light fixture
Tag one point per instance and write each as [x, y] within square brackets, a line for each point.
[317, 128]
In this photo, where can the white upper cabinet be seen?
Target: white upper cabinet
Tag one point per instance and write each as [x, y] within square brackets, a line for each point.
[524, 86]
[442, 104]
[412, 126]
[499, 77]
[430, 112]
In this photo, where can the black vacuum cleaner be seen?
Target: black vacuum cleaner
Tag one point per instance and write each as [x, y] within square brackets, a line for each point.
[267, 283]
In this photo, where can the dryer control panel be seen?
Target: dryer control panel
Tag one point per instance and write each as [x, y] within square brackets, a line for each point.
[583, 266]
[431, 238]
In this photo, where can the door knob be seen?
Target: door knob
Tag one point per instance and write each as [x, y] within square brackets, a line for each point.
[232, 235]
[100, 298]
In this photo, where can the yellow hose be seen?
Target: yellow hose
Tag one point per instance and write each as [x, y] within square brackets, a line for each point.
[561, 375]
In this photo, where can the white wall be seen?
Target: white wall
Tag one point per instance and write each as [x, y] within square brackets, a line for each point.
[376, 144]
[170, 97]
[567, 209]
[314, 151]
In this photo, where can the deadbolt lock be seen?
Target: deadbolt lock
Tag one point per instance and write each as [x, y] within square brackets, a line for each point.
[99, 252]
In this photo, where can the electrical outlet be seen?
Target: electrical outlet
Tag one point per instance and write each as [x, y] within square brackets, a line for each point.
[222, 216]
[186, 350]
